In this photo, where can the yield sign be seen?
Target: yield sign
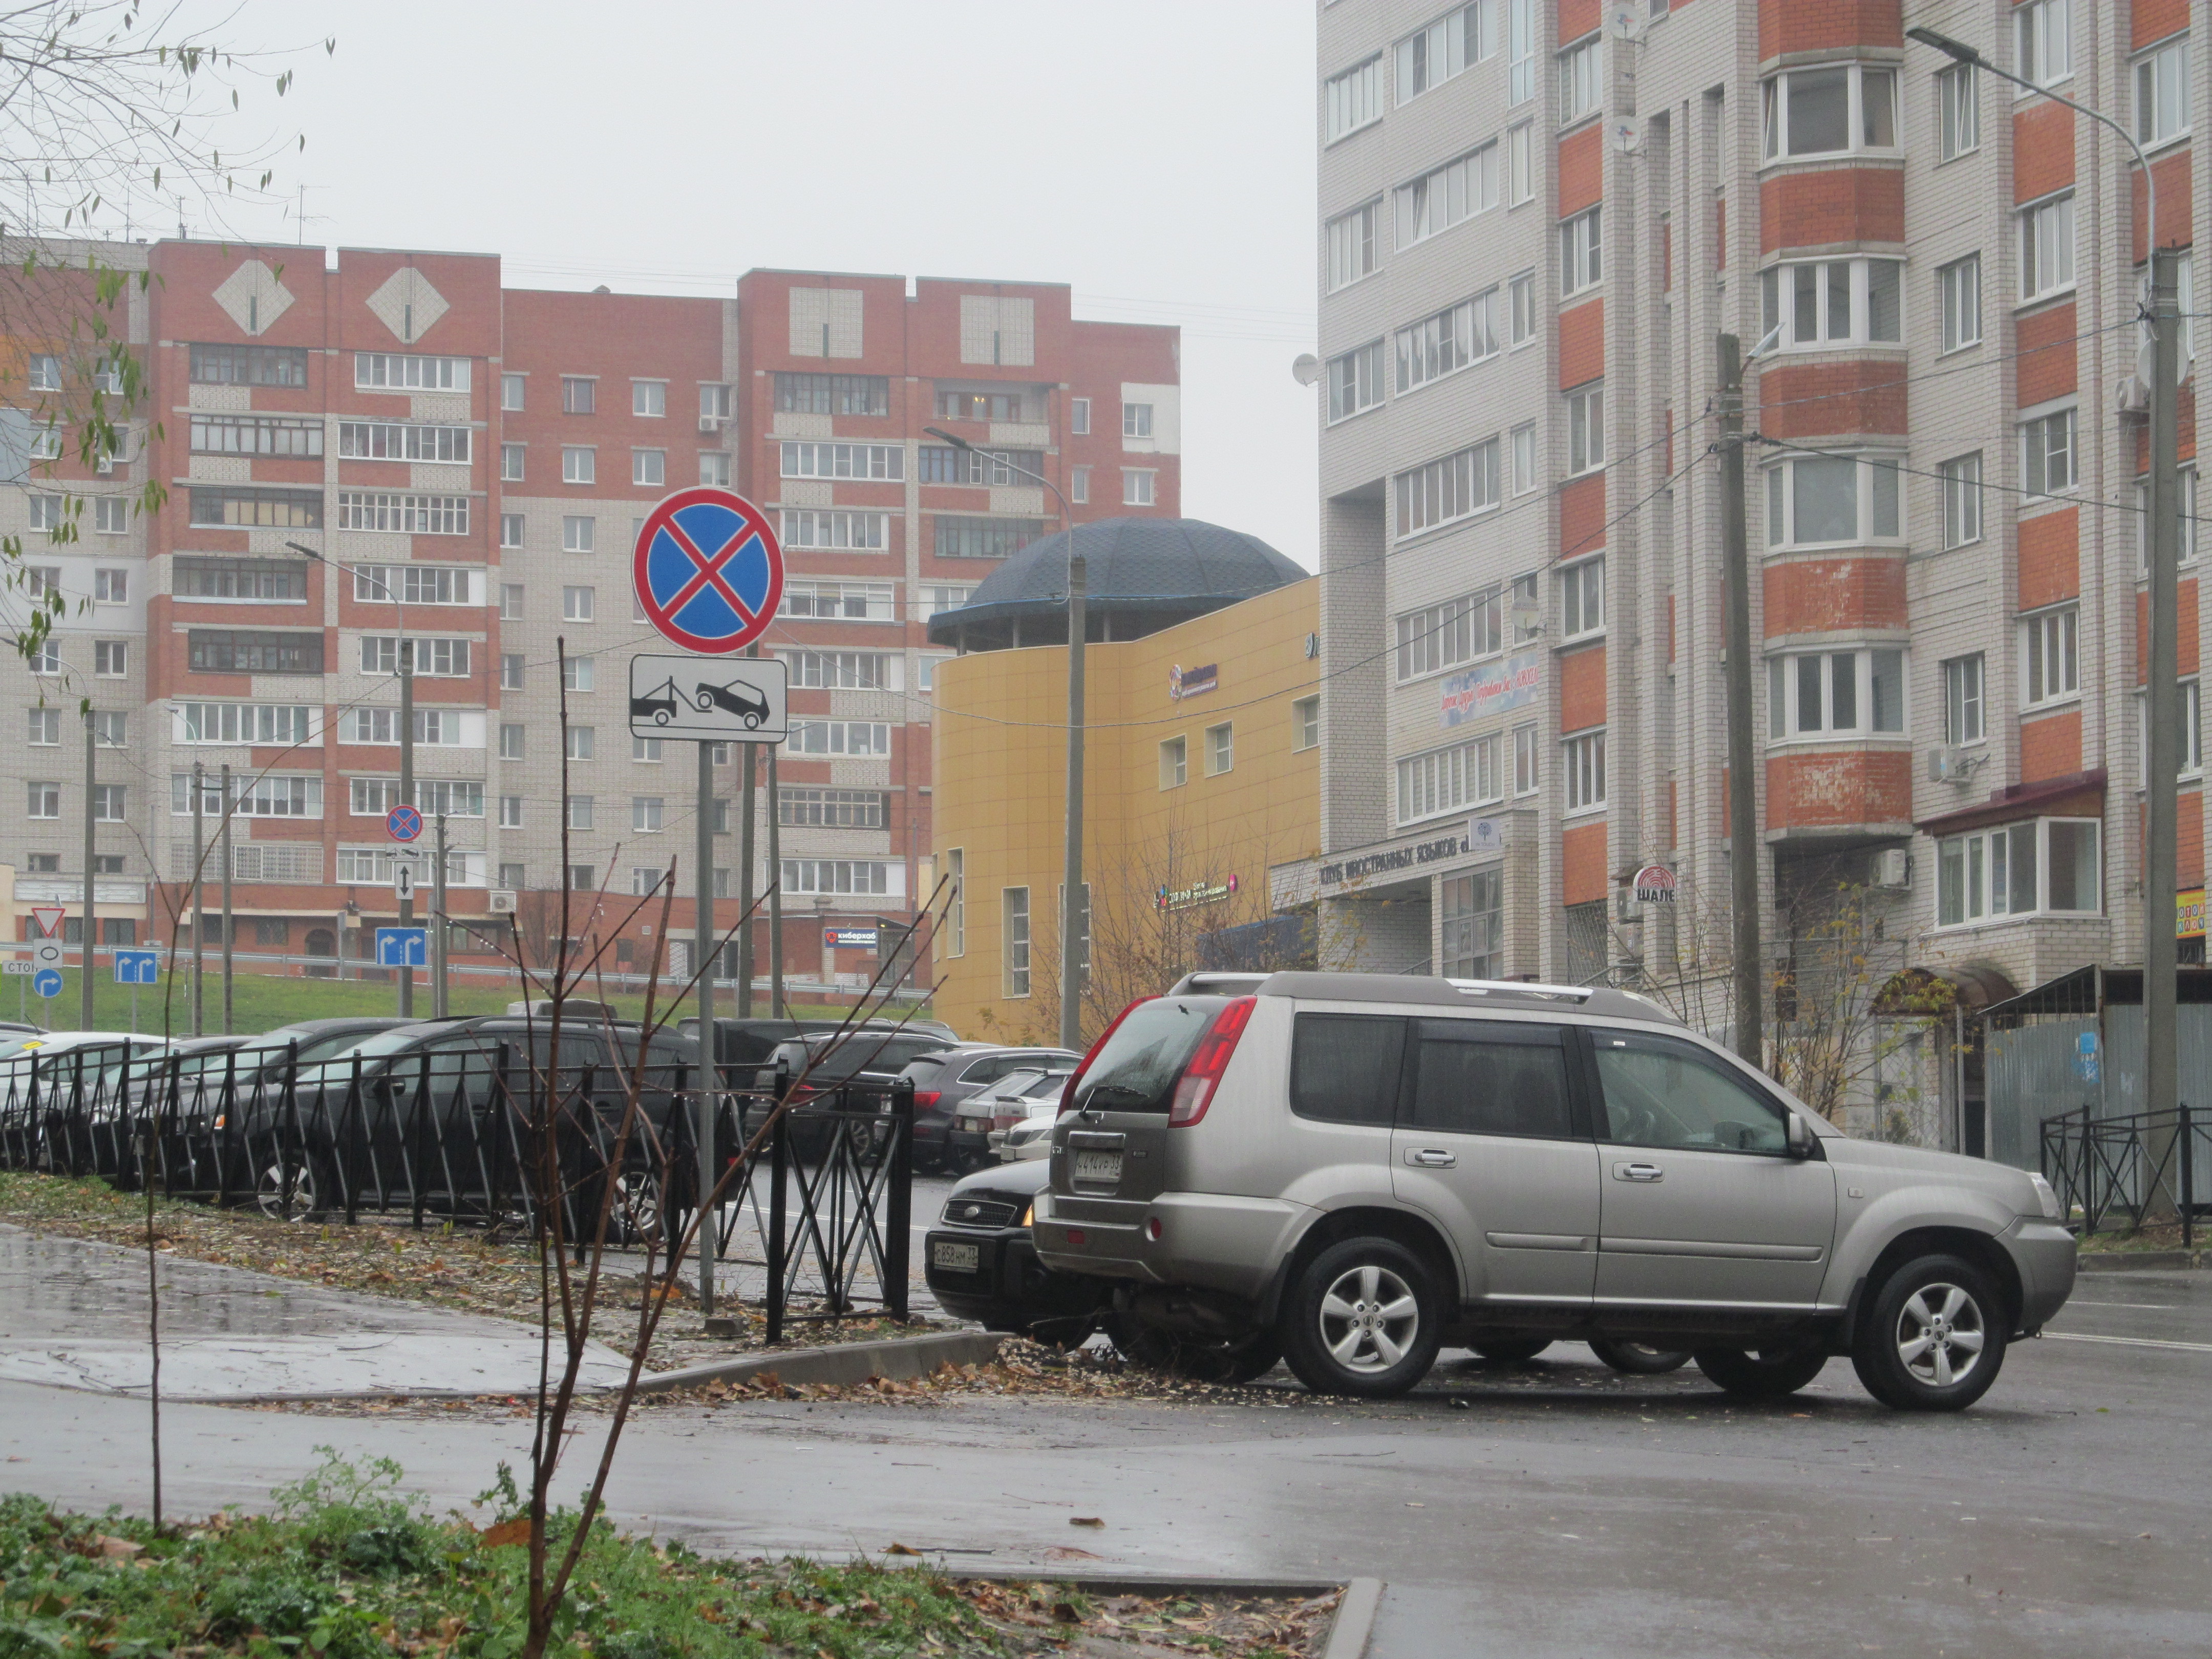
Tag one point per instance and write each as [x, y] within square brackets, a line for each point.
[49, 918]
[708, 570]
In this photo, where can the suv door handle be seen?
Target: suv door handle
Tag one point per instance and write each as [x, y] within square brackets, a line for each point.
[1430, 1157]
[1638, 1172]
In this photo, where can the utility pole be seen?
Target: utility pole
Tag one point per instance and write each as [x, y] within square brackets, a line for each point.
[704, 905]
[438, 928]
[406, 665]
[1743, 761]
[199, 892]
[2162, 718]
[222, 840]
[91, 922]
[1071, 895]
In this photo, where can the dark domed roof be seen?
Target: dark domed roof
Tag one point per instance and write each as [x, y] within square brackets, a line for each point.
[1185, 567]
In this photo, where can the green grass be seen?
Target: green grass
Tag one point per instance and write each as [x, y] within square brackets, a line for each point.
[261, 1002]
[351, 1567]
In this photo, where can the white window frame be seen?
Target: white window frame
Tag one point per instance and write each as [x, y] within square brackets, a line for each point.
[2191, 741]
[1355, 382]
[1443, 49]
[2042, 42]
[1582, 80]
[1877, 486]
[1137, 487]
[1792, 676]
[1583, 599]
[1450, 779]
[1445, 341]
[1447, 491]
[1438, 638]
[2048, 250]
[1965, 700]
[578, 604]
[2039, 430]
[1445, 196]
[1585, 428]
[1078, 485]
[1959, 303]
[1581, 251]
[1789, 289]
[511, 528]
[1521, 443]
[1582, 768]
[2050, 656]
[1174, 762]
[1958, 113]
[1136, 420]
[715, 468]
[1520, 164]
[1523, 37]
[1776, 90]
[579, 532]
[1220, 749]
[648, 469]
[1016, 941]
[1978, 867]
[2185, 477]
[580, 464]
[1352, 241]
[1305, 724]
[1079, 416]
[1528, 760]
[648, 399]
[1352, 98]
[1521, 310]
[843, 461]
[513, 387]
[1960, 482]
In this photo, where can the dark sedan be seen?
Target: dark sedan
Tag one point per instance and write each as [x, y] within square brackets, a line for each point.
[982, 1264]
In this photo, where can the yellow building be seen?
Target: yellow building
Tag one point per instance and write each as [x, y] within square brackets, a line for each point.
[1202, 747]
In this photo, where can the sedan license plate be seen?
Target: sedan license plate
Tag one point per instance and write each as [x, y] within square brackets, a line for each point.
[1104, 1169]
[956, 1258]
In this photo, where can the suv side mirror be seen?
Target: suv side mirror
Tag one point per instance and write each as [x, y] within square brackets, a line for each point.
[1798, 1138]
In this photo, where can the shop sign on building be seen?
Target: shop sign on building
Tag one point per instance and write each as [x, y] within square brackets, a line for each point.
[1190, 682]
[1512, 683]
[1391, 861]
[2189, 914]
[1200, 892]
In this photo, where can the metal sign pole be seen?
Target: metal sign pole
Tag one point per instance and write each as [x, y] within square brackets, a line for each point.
[91, 926]
[776, 1006]
[222, 834]
[709, 1072]
[406, 650]
[199, 893]
[438, 928]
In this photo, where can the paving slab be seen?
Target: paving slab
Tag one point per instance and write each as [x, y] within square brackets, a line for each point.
[74, 1314]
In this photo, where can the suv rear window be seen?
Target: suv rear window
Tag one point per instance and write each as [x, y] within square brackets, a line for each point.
[1138, 1069]
[1344, 1067]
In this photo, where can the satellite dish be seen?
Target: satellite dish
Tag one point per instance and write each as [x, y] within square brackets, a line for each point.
[1305, 368]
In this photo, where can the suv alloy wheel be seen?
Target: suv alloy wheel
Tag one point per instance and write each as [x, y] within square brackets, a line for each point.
[1362, 1320]
[1760, 1373]
[291, 1187]
[1934, 1336]
[1199, 1361]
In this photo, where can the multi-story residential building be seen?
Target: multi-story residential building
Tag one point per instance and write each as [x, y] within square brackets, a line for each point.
[381, 445]
[1534, 219]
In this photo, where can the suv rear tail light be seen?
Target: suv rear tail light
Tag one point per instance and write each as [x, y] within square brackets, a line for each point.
[1074, 1077]
[1194, 1091]
[925, 1098]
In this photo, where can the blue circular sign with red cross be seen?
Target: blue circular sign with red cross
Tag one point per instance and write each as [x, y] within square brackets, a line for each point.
[708, 570]
[405, 823]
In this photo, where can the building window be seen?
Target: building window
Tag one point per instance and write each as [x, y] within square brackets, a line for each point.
[1078, 485]
[1175, 763]
[260, 434]
[2162, 91]
[714, 401]
[510, 463]
[1520, 38]
[579, 532]
[831, 808]
[1355, 380]
[45, 727]
[2191, 759]
[1815, 501]
[46, 800]
[648, 399]
[831, 394]
[577, 673]
[2051, 643]
[579, 394]
[866, 532]
[1305, 724]
[1447, 779]
[510, 671]
[645, 750]
[1354, 99]
[841, 670]
[1959, 293]
[577, 604]
[393, 371]
[1582, 74]
[111, 659]
[45, 657]
[110, 729]
[249, 365]
[2186, 478]
[510, 601]
[1962, 499]
[1832, 302]
[2048, 864]
[1586, 428]
[579, 465]
[1079, 416]
[647, 813]
[1447, 195]
[1136, 487]
[510, 391]
[2044, 34]
[648, 468]
[1957, 111]
[510, 530]
[1963, 716]
[1584, 758]
[582, 878]
[828, 461]
[579, 811]
[1521, 444]
[1835, 694]
[408, 515]
[244, 509]
[44, 372]
[2046, 247]
[1582, 598]
[839, 738]
[110, 514]
[401, 440]
[715, 468]
[1581, 251]
[1014, 909]
[1520, 308]
[1440, 345]
[1456, 486]
[1527, 746]
[1828, 112]
[1220, 750]
[229, 651]
[2047, 453]
[842, 601]
[1471, 926]
[937, 597]
[1431, 56]
[1521, 165]
[941, 464]
[1440, 636]
[1136, 420]
[1352, 248]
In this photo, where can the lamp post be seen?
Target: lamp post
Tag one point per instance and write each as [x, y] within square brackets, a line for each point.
[404, 664]
[2161, 678]
[1071, 890]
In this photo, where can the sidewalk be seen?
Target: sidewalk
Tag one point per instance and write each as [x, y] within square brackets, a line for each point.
[74, 1314]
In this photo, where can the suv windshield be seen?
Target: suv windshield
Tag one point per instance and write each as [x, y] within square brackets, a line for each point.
[1136, 1070]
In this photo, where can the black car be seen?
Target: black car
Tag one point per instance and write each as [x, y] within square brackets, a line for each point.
[816, 1065]
[981, 1265]
[944, 1076]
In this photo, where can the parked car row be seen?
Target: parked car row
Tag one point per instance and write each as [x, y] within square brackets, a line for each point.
[1350, 1171]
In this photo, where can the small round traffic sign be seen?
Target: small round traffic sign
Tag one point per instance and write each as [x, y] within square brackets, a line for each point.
[708, 570]
[47, 982]
[405, 823]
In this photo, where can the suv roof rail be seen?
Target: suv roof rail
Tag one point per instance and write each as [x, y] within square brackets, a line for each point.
[1519, 987]
[1437, 992]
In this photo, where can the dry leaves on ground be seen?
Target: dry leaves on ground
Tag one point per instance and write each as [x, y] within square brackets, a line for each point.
[1240, 1626]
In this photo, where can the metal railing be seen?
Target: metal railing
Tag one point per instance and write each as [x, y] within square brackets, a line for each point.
[488, 1137]
[2105, 1169]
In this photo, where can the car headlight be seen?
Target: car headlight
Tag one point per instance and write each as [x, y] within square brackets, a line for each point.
[2045, 1196]
[1029, 1214]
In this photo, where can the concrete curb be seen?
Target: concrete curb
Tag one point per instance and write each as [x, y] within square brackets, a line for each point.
[2140, 1261]
[1354, 1623]
[848, 1362]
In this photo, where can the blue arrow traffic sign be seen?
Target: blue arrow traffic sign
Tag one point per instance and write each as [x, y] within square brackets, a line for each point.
[137, 967]
[405, 823]
[708, 570]
[403, 947]
[47, 982]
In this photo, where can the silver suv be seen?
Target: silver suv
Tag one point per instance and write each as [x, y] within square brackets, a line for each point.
[1349, 1170]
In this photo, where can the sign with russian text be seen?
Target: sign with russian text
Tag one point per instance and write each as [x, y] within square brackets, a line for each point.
[1653, 884]
[1198, 892]
[1190, 682]
[2189, 914]
[1389, 862]
[1492, 689]
[850, 938]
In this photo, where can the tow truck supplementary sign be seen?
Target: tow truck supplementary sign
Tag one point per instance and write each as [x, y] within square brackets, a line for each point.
[708, 570]
[714, 702]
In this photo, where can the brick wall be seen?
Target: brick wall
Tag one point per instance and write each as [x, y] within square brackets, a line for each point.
[1581, 689]
[1830, 790]
[1810, 596]
[2048, 355]
[2042, 149]
[1582, 515]
[1583, 864]
[2049, 558]
[1786, 25]
[2050, 746]
[1833, 205]
[1808, 400]
[1581, 344]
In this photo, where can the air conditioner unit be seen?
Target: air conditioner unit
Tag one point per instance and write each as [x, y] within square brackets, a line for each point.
[502, 901]
[710, 422]
[2133, 398]
[105, 464]
[1946, 765]
[1893, 868]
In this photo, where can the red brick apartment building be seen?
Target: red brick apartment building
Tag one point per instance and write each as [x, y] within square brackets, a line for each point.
[466, 463]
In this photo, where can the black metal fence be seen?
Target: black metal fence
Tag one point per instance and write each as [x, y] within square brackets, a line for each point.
[490, 1136]
[2108, 1169]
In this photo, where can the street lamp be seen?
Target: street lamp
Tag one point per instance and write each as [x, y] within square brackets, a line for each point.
[404, 664]
[2162, 677]
[1071, 890]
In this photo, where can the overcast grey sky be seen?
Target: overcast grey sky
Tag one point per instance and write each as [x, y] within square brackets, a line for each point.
[1156, 156]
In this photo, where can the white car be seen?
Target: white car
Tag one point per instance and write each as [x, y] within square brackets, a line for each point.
[978, 1120]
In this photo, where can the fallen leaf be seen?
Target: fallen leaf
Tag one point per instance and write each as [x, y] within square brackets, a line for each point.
[516, 1531]
[1086, 1521]
[1066, 1614]
[122, 1549]
[1069, 1552]
[900, 1549]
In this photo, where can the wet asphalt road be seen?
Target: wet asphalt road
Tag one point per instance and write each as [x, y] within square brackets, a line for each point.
[1544, 1510]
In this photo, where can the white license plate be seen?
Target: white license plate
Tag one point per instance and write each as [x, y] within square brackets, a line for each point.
[956, 1258]
[1102, 1168]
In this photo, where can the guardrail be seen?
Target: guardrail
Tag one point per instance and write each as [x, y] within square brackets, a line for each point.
[2103, 1168]
[492, 1136]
